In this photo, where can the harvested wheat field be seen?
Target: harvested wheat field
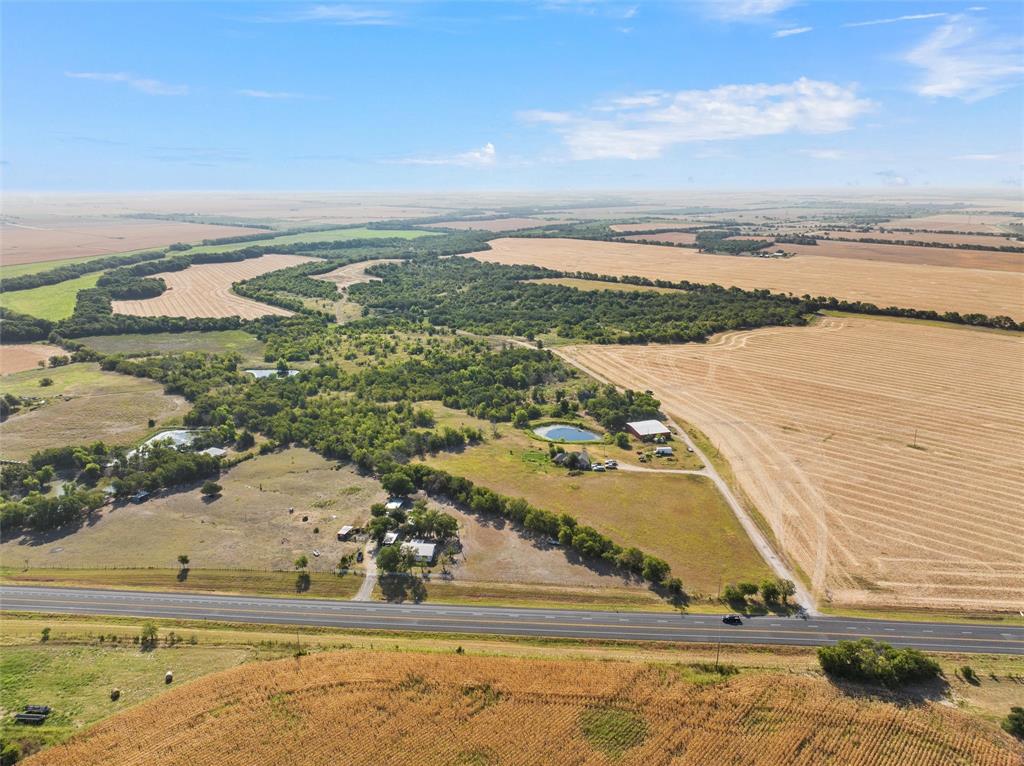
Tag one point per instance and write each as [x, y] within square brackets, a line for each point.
[205, 290]
[886, 284]
[405, 708]
[16, 357]
[53, 239]
[496, 224]
[924, 236]
[354, 273]
[885, 455]
[912, 254]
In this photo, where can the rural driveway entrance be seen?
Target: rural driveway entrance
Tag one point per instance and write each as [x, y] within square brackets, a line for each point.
[365, 592]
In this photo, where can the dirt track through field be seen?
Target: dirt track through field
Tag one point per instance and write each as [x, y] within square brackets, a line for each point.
[886, 284]
[354, 273]
[819, 425]
[205, 290]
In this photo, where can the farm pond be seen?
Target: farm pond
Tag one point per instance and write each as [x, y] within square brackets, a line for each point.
[562, 432]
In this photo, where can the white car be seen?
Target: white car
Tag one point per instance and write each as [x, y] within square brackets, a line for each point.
[611, 464]
[597, 467]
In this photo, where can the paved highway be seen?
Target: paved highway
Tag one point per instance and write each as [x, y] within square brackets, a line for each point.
[560, 623]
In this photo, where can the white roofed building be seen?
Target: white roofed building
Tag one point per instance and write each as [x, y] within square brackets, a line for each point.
[648, 429]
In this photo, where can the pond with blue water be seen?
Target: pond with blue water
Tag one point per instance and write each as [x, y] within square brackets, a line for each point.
[562, 432]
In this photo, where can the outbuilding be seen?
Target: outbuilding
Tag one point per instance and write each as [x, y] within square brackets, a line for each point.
[648, 429]
[425, 553]
[390, 538]
[345, 532]
[214, 452]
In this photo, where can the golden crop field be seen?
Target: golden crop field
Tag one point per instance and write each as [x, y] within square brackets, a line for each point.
[886, 284]
[912, 254]
[925, 236]
[884, 454]
[406, 708]
[204, 290]
[16, 357]
[678, 237]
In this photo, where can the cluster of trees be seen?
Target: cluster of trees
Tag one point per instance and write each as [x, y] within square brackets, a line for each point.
[717, 241]
[489, 298]
[38, 512]
[22, 328]
[869, 661]
[75, 270]
[773, 590]
[564, 528]
[420, 522]
[190, 374]
[613, 408]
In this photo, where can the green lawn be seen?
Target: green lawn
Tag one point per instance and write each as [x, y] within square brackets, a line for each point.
[215, 341]
[328, 235]
[34, 268]
[51, 302]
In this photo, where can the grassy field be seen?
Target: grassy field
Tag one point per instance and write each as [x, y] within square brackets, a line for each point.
[408, 707]
[328, 235]
[18, 269]
[248, 527]
[232, 581]
[597, 284]
[680, 518]
[51, 302]
[216, 342]
[83, 404]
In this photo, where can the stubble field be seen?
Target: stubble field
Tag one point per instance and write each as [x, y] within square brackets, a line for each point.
[912, 254]
[885, 455]
[885, 284]
[205, 290]
[52, 239]
[363, 707]
[18, 357]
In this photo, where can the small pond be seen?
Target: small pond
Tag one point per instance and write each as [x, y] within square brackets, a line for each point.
[259, 374]
[562, 432]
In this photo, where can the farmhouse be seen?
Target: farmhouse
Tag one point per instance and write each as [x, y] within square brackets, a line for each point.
[424, 552]
[648, 429]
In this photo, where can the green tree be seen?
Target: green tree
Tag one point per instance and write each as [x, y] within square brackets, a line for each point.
[301, 562]
[211, 488]
[770, 591]
[91, 474]
[398, 484]
[622, 440]
[45, 635]
[876, 662]
[45, 382]
[1014, 722]
[394, 559]
[10, 753]
[183, 561]
[148, 637]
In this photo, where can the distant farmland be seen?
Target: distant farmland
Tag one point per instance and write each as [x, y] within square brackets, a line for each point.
[205, 290]
[407, 708]
[61, 238]
[885, 284]
[884, 454]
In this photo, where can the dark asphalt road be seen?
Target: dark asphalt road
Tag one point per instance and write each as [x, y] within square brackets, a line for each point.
[558, 623]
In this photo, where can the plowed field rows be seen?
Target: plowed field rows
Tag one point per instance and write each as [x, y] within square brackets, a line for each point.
[938, 288]
[393, 708]
[820, 426]
[205, 290]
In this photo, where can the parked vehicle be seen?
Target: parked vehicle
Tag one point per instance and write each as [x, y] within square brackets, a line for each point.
[611, 464]
[597, 467]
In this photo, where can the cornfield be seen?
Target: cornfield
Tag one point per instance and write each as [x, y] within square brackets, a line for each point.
[394, 708]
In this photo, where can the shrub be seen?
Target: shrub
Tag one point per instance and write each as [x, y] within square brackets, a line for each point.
[876, 662]
[1014, 722]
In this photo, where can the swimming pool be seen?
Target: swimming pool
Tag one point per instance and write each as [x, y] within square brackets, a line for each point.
[562, 432]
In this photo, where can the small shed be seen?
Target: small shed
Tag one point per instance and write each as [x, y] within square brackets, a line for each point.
[648, 429]
[345, 532]
[390, 538]
[214, 452]
[394, 504]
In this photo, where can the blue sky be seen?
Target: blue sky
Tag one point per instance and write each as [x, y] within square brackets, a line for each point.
[555, 94]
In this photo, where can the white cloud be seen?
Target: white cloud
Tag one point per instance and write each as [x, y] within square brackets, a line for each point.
[791, 32]
[746, 10]
[272, 94]
[142, 84]
[896, 19]
[979, 157]
[824, 154]
[337, 14]
[728, 112]
[958, 63]
[485, 155]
